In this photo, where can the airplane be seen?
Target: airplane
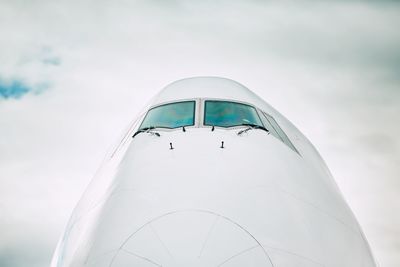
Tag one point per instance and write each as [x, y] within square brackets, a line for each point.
[211, 175]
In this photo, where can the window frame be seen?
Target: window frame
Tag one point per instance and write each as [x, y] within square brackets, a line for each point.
[279, 131]
[195, 113]
[203, 112]
[199, 118]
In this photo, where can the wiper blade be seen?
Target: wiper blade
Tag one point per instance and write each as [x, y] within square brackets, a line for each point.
[146, 130]
[252, 126]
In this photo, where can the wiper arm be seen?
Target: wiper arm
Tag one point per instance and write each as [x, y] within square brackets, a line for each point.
[146, 130]
[252, 126]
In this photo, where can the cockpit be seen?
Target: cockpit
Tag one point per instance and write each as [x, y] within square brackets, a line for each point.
[212, 113]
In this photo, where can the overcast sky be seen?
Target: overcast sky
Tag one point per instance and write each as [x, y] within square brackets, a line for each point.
[73, 74]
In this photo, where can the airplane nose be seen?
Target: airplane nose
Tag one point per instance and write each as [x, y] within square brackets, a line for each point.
[191, 238]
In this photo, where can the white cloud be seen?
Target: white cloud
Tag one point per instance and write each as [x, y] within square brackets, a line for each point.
[330, 64]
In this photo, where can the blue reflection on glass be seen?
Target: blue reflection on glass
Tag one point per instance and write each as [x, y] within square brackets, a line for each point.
[228, 114]
[170, 115]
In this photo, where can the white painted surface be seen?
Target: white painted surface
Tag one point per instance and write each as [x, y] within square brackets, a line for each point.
[255, 202]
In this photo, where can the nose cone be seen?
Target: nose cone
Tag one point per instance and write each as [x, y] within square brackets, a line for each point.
[191, 238]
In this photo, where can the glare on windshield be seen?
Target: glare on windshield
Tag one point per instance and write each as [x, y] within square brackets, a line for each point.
[171, 116]
[228, 114]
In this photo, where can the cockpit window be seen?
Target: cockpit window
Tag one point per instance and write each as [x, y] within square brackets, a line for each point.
[275, 130]
[170, 116]
[228, 114]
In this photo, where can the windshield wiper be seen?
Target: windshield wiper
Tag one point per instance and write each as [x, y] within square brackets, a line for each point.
[146, 130]
[251, 126]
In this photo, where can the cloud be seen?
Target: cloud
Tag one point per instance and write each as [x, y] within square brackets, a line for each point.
[28, 72]
[51, 61]
[332, 67]
[25, 247]
[47, 56]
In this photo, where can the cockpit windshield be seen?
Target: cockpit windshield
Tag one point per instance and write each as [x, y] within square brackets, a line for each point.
[170, 116]
[229, 114]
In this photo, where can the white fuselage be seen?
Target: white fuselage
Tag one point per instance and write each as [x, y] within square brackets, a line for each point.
[185, 199]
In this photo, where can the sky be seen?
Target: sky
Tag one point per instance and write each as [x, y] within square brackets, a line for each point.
[73, 74]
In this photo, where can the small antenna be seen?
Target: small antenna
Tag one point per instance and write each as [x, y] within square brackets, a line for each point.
[222, 144]
[170, 146]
